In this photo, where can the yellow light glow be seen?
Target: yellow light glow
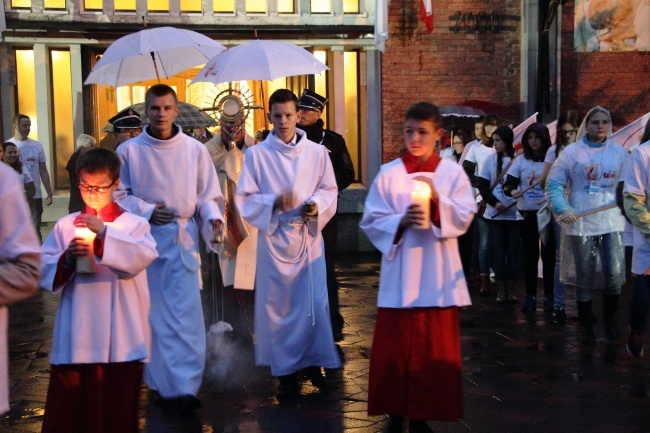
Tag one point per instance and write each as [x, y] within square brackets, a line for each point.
[321, 6]
[125, 5]
[62, 114]
[223, 6]
[350, 6]
[54, 4]
[256, 6]
[26, 88]
[320, 82]
[93, 5]
[190, 5]
[286, 6]
[351, 73]
[158, 5]
[18, 4]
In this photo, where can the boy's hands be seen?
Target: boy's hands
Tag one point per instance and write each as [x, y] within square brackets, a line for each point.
[414, 215]
[284, 202]
[162, 215]
[91, 222]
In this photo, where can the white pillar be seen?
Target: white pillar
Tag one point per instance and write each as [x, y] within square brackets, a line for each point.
[77, 90]
[43, 101]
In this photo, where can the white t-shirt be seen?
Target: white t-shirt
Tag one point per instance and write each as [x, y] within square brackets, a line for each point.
[477, 154]
[31, 155]
[528, 173]
[489, 172]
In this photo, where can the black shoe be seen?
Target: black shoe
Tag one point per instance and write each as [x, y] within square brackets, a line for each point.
[316, 377]
[186, 404]
[288, 388]
[417, 426]
[338, 336]
[395, 424]
[612, 332]
[635, 344]
[559, 317]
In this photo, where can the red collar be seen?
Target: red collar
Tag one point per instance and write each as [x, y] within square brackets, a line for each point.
[107, 214]
[413, 166]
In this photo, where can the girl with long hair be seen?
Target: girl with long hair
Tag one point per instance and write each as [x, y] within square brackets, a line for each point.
[523, 184]
[11, 157]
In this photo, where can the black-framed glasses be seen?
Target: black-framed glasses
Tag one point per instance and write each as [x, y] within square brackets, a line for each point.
[98, 189]
[568, 131]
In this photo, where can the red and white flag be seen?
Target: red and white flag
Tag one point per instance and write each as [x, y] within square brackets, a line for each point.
[630, 136]
[519, 130]
[426, 14]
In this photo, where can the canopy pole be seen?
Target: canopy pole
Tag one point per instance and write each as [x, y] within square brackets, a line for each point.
[155, 66]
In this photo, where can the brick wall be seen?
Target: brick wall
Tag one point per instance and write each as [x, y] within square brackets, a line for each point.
[618, 81]
[446, 67]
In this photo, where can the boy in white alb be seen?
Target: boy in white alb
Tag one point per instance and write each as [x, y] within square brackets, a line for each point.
[101, 334]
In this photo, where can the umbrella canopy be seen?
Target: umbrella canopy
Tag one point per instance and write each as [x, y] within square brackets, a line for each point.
[189, 116]
[151, 53]
[259, 60]
[454, 116]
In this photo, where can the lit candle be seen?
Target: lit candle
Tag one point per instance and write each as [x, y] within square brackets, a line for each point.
[421, 195]
[86, 264]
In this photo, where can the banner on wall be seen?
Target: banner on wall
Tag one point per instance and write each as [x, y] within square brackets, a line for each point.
[612, 25]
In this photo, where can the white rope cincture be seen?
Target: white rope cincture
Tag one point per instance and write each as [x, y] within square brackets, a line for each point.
[180, 245]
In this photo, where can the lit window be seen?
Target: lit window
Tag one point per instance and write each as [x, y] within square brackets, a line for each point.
[286, 7]
[18, 4]
[26, 88]
[93, 5]
[125, 5]
[54, 4]
[190, 5]
[223, 6]
[158, 5]
[321, 6]
[63, 128]
[256, 6]
[351, 92]
[350, 6]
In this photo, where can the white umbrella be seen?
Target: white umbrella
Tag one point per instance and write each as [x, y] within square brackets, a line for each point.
[259, 60]
[141, 55]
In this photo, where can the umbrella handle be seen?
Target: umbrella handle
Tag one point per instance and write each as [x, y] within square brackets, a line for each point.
[155, 66]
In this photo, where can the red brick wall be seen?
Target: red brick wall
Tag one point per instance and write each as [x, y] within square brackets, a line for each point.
[618, 81]
[445, 67]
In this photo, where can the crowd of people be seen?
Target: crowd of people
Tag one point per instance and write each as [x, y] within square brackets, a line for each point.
[127, 261]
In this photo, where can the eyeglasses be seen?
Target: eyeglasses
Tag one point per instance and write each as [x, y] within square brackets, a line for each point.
[568, 131]
[98, 189]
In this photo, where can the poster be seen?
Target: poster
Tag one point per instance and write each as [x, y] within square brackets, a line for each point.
[612, 25]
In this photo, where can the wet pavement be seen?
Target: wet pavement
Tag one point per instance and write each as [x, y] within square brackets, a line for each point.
[522, 372]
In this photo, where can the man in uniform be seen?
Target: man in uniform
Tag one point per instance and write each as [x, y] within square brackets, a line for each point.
[311, 106]
[126, 125]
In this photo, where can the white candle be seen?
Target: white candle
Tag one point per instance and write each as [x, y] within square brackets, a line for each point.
[421, 195]
[86, 264]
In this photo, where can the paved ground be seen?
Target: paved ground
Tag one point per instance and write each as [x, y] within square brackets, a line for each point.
[522, 373]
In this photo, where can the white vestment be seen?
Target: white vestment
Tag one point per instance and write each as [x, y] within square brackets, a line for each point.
[102, 317]
[292, 321]
[424, 268]
[17, 237]
[178, 174]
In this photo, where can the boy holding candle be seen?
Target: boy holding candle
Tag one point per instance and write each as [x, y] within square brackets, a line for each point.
[101, 333]
[422, 282]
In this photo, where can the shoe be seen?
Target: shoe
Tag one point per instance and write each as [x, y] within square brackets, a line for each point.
[186, 405]
[559, 317]
[417, 426]
[395, 424]
[635, 344]
[529, 303]
[485, 286]
[510, 296]
[316, 377]
[548, 304]
[288, 388]
[612, 332]
[338, 336]
[501, 297]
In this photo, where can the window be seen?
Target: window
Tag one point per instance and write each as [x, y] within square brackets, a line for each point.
[191, 6]
[321, 6]
[26, 88]
[62, 130]
[256, 6]
[93, 5]
[54, 4]
[351, 6]
[21, 4]
[223, 6]
[286, 7]
[125, 5]
[158, 5]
